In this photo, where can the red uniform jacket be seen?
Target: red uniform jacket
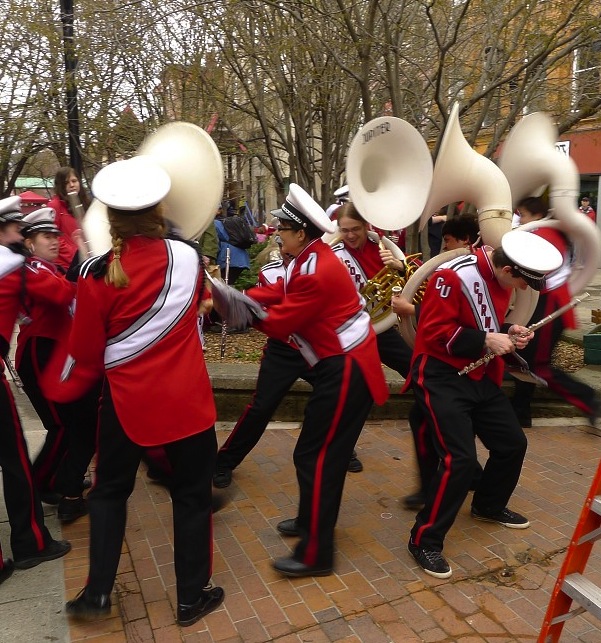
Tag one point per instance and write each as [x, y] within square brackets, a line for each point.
[145, 337]
[463, 302]
[67, 224]
[362, 264]
[49, 315]
[319, 306]
[30, 283]
[556, 287]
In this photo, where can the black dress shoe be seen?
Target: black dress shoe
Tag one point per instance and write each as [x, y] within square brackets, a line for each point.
[7, 569]
[54, 549]
[50, 497]
[210, 599]
[414, 501]
[70, 509]
[288, 527]
[222, 478]
[89, 606]
[296, 569]
[355, 465]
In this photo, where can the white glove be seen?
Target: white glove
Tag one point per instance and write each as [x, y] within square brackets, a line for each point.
[236, 308]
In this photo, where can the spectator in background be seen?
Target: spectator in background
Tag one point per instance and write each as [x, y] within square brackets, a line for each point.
[67, 181]
[585, 208]
[435, 223]
[239, 257]
[209, 245]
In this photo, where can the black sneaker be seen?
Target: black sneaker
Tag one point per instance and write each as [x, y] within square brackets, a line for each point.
[86, 606]
[430, 560]
[70, 509]
[222, 478]
[54, 549]
[414, 501]
[505, 517]
[355, 465]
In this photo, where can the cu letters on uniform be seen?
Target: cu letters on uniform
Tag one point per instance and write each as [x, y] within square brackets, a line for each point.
[445, 290]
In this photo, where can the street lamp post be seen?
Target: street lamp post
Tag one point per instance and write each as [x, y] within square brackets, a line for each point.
[71, 93]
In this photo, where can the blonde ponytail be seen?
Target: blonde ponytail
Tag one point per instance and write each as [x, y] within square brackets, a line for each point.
[115, 274]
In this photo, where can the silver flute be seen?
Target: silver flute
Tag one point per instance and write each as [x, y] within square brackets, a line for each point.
[533, 327]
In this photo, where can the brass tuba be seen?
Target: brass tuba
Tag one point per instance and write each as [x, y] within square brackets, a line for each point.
[378, 290]
[531, 161]
[191, 158]
[389, 171]
[462, 174]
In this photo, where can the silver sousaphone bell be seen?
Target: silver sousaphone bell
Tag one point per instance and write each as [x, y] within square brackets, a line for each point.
[191, 158]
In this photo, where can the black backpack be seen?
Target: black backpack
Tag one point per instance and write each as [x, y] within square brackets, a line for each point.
[239, 232]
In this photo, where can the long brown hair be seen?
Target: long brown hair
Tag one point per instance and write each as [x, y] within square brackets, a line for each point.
[60, 186]
[350, 211]
[125, 224]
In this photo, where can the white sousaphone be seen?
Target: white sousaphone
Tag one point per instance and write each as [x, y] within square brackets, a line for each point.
[388, 171]
[462, 174]
[192, 161]
[530, 161]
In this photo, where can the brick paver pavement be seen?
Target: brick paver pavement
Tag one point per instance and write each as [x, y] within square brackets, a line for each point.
[499, 590]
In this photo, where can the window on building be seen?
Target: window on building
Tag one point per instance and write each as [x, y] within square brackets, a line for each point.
[586, 83]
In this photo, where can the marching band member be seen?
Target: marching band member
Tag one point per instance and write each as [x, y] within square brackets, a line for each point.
[31, 541]
[539, 351]
[458, 232]
[66, 181]
[136, 320]
[461, 316]
[317, 304]
[364, 258]
[281, 365]
[69, 446]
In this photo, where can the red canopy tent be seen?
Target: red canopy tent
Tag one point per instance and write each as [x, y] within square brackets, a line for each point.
[31, 201]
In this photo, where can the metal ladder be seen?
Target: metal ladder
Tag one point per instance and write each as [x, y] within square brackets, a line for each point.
[571, 585]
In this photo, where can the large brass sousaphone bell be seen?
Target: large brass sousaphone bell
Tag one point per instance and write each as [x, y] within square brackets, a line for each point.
[462, 174]
[530, 162]
[389, 171]
[191, 158]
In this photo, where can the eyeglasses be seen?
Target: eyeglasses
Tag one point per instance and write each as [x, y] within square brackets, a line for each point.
[284, 228]
[355, 230]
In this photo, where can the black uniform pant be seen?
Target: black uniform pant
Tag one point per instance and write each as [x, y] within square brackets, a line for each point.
[28, 534]
[70, 440]
[192, 460]
[333, 419]
[538, 353]
[35, 357]
[458, 408]
[281, 365]
[394, 351]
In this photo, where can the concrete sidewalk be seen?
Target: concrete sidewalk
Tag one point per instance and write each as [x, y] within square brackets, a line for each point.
[31, 601]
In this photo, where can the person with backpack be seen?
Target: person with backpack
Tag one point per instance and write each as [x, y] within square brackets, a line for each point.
[232, 234]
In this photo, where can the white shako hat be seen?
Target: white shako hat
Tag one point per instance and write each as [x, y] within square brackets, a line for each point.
[132, 185]
[10, 209]
[533, 257]
[342, 193]
[302, 209]
[41, 220]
